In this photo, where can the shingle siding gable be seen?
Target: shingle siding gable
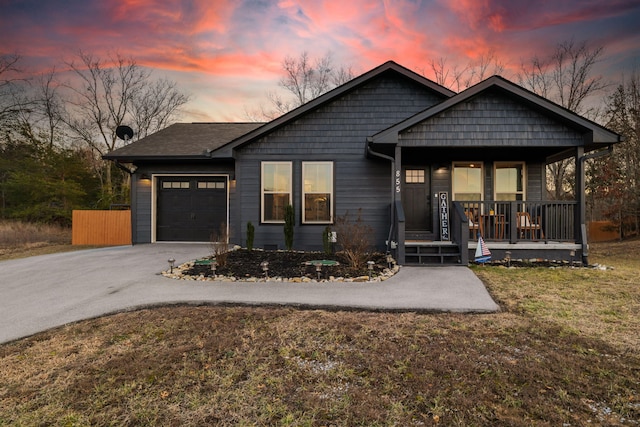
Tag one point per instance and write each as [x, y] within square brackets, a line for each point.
[491, 119]
[344, 124]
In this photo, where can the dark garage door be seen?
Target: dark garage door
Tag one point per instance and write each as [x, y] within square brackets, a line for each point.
[189, 209]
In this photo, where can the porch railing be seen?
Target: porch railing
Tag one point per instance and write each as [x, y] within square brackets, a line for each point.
[521, 220]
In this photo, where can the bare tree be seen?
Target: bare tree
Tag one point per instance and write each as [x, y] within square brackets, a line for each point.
[572, 69]
[440, 71]
[534, 77]
[48, 107]
[114, 92]
[10, 103]
[156, 106]
[486, 66]
[304, 79]
[459, 78]
[567, 78]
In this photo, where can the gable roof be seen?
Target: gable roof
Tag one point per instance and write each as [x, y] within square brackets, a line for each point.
[389, 66]
[599, 134]
[182, 141]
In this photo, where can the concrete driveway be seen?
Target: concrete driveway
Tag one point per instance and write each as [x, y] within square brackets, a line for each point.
[43, 292]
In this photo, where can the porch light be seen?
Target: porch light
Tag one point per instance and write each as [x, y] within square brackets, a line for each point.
[145, 177]
[265, 268]
[370, 265]
[172, 263]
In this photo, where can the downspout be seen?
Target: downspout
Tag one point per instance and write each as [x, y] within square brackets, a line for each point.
[370, 152]
[583, 226]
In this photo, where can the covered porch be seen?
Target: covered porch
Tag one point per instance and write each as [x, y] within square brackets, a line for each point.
[442, 204]
[475, 164]
[521, 230]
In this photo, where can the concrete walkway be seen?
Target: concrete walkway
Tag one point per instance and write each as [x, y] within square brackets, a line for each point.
[43, 292]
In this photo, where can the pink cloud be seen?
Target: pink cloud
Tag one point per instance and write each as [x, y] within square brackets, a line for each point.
[241, 45]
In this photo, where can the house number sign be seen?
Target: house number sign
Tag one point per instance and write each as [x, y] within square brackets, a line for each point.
[398, 181]
[443, 210]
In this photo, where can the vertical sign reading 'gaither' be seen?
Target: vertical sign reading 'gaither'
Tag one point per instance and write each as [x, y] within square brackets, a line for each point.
[443, 210]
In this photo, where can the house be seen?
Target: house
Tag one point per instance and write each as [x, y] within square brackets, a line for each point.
[428, 169]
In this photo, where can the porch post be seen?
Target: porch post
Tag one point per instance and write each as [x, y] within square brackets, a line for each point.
[397, 187]
[581, 210]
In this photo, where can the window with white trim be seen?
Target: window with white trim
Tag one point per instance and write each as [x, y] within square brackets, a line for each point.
[317, 192]
[509, 181]
[467, 181]
[276, 190]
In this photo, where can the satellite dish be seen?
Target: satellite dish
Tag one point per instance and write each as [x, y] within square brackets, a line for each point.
[124, 132]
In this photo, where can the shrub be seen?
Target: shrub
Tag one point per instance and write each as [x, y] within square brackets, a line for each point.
[289, 220]
[326, 241]
[251, 232]
[354, 238]
[220, 245]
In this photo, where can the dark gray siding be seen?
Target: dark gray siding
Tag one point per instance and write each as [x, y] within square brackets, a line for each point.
[335, 132]
[536, 185]
[142, 211]
[491, 119]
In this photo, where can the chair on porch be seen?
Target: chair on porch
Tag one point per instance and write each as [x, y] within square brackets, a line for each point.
[475, 225]
[526, 226]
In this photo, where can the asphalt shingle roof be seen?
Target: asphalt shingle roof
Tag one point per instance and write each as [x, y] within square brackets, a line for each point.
[183, 140]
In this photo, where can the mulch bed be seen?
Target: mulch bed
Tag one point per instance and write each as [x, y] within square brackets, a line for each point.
[243, 263]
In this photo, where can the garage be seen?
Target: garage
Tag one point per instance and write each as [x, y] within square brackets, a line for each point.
[190, 208]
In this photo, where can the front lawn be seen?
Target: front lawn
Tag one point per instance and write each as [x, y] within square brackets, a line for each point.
[563, 352]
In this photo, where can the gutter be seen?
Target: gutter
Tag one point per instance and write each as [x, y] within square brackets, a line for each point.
[124, 168]
[597, 154]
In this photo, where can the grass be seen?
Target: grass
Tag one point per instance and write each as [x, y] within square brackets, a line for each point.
[602, 305]
[22, 239]
[564, 351]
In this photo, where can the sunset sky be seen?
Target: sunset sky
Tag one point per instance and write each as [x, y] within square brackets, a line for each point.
[228, 54]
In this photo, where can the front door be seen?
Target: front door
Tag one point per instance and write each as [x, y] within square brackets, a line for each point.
[416, 201]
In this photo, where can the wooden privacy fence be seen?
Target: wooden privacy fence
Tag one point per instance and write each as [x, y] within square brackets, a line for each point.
[602, 231]
[101, 228]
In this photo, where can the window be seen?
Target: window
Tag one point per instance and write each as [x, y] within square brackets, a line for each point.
[509, 181]
[317, 194]
[175, 184]
[414, 176]
[210, 185]
[276, 190]
[467, 181]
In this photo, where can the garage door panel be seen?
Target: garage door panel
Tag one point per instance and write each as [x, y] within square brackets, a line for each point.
[190, 208]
